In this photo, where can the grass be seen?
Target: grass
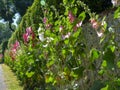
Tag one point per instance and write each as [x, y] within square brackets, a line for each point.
[10, 79]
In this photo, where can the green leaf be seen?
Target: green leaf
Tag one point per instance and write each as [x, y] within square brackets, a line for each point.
[109, 57]
[102, 39]
[30, 61]
[105, 88]
[66, 41]
[42, 2]
[29, 74]
[104, 63]
[74, 11]
[118, 64]
[94, 54]
[50, 63]
[112, 48]
[49, 79]
[78, 71]
[101, 72]
[65, 2]
[77, 33]
[117, 13]
[82, 16]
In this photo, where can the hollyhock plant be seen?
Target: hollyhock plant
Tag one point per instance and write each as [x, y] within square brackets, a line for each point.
[14, 49]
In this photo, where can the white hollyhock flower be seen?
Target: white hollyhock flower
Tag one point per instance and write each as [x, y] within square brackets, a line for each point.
[41, 36]
[49, 39]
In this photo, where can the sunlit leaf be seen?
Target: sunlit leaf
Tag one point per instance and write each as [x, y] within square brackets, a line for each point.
[94, 54]
[105, 88]
[29, 74]
[118, 64]
[82, 16]
[117, 13]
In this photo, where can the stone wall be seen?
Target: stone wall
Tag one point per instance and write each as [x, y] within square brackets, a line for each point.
[113, 25]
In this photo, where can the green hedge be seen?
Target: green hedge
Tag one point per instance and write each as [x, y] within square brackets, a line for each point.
[60, 59]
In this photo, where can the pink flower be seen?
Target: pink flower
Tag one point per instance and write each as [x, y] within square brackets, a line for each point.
[25, 37]
[66, 36]
[16, 45]
[29, 30]
[77, 26]
[29, 33]
[71, 17]
[94, 23]
[48, 26]
[44, 20]
[14, 49]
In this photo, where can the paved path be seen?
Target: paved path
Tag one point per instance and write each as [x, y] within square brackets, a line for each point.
[2, 83]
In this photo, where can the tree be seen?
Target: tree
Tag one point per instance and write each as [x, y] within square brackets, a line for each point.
[8, 8]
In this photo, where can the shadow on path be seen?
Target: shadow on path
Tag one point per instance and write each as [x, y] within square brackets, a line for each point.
[2, 83]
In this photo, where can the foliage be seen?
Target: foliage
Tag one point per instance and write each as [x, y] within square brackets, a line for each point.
[49, 50]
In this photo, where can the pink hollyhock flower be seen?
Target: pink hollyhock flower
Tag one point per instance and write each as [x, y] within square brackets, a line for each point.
[16, 45]
[29, 30]
[94, 23]
[44, 20]
[71, 17]
[14, 49]
[25, 37]
[66, 36]
[29, 33]
[48, 26]
[77, 26]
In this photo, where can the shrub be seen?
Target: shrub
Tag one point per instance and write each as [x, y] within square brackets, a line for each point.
[57, 57]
